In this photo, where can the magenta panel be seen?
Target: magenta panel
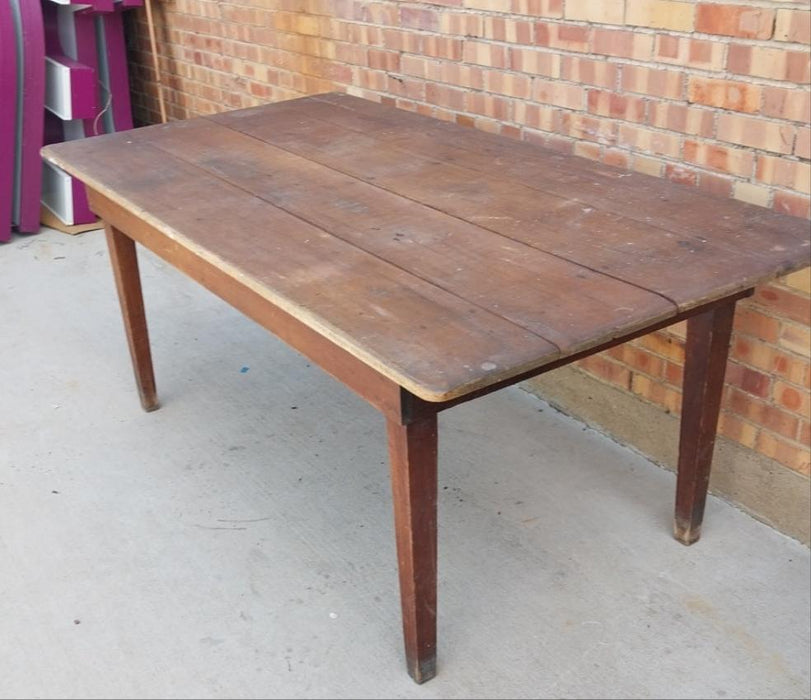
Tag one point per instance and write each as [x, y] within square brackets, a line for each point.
[8, 116]
[33, 35]
[119, 84]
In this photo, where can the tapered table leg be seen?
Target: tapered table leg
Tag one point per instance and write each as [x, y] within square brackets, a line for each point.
[128, 282]
[707, 349]
[413, 454]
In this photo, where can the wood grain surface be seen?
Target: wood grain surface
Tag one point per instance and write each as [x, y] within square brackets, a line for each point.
[444, 258]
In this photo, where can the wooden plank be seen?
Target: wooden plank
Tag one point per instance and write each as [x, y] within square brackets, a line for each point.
[48, 218]
[425, 339]
[680, 209]
[688, 270]
[568, 305]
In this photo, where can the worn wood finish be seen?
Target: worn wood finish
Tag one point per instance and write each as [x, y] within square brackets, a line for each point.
[507, 199]
[424, 265]
[649, 200]
[128, 283]
[432, 342]
[413, 458]
[498, 274]
[378, 390]
[707, 348]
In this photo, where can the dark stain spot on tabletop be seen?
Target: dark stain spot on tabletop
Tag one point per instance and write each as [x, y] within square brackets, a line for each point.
[77, 622]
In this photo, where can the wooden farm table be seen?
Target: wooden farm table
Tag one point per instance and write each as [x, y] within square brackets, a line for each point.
[424, 264]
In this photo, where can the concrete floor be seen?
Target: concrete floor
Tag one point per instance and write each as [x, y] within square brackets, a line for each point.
[238, 543]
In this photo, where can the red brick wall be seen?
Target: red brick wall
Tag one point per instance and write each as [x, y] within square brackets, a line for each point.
[710, 94]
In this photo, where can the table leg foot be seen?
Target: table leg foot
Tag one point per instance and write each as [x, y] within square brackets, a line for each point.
[424, 670]
[128, 283]
[413, 454]
[707, 348]
[686, 533]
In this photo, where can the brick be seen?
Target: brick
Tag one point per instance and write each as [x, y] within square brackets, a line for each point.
[489, 106]
[649, 140]
[735, 161]
[752, 194]
[562, 144]
[529, 60]
[404, 87]
[461, 24]
[787, 104]
[804, 433]
[589, 128]
[397, 40]
[610, 104]
[793, 455]
[800, 280]
[795, 338]
[603, 12]
[510, 84]
[510, 131]
[791, 174]
[726, 94]
[749, 380]
[383, 60]
[617, 158]
[559, 94]
[739, 430]
[450, 48]
[460, 75]
[638, 359]
[763, 413]
[622, 43]
[586, 70]
[514, 31]
[587, 149]
[536, 116]
[673, 374]
[647, 166]
[792, 398]
[663, 345]
[419, 18]
[656, 392]
[793, 25]
[756, 133]
[603, 368]
[752, 322]
[481, 53]
[537, 8]
[767, 62]
[792, 204]
[771, 360]
[678, 117]
[653, 81]
[783, 303]
[734, 20]
[488, 5]
[446, 96]
[802, 145]
[680, 174]
[716, 185]
[660, 14]
[692, 53]
[562, 36]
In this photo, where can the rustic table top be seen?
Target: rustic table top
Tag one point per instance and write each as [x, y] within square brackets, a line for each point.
[446, 258]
